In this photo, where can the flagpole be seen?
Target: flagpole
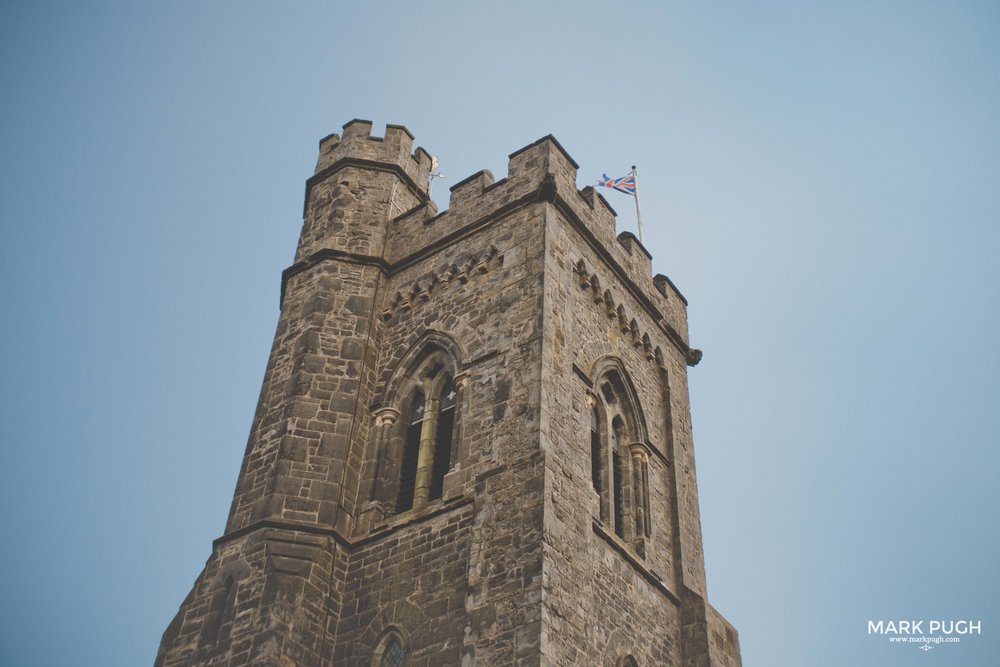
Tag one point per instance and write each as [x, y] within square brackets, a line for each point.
[638, 214]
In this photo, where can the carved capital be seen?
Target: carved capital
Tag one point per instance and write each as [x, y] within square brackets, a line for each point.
[386, 416]
[639, 450]
[461, 380]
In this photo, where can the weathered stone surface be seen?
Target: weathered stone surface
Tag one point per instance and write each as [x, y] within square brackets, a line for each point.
[419, 469]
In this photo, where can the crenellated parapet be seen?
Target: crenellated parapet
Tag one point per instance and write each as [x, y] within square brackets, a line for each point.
[543, 171]
[478, 199]
[625, 255]
[361, 182]
[357, 143]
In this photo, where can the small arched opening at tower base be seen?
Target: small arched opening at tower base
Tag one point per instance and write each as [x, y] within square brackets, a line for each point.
[417, 432]
[391, 650]
[619, 453]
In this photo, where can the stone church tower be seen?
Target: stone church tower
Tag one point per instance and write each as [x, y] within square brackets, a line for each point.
[473, 441]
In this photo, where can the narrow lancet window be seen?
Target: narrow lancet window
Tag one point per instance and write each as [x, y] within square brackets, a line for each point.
[443, 438]
[619, 457]
[393, 655]
[426, 441]
[595, 449]
[616, 464]
[228, 607]
[390, 652]
[411, 448]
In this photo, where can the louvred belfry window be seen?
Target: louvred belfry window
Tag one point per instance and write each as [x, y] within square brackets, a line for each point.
[443, 437]
[411, 449]
[616, 470]
[595, 449]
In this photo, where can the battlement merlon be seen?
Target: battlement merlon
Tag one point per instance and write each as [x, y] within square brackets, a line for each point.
[357, 143]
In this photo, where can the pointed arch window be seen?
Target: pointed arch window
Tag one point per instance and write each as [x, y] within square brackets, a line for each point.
[619, 456]
[228, 606]
[431, 425]
[393, 655]
[390, 650]
[221, 611]
[416, 438]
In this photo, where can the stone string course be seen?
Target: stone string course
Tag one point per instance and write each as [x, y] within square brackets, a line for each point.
[525, 287]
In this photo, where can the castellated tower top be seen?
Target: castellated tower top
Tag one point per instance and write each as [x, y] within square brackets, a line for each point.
[360, 183]
[545, 170]
[370, 195]
[394, 148]
[473, 442]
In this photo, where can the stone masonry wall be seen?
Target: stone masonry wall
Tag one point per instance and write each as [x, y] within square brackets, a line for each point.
[280, 607]
[526, 286]
[597, 604]
[483, 291]
[411, 579]
[602, 601]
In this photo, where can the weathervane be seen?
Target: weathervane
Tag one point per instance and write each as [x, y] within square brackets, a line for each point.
[434, 174]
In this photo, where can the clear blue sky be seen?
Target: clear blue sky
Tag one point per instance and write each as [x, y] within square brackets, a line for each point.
[821, 180]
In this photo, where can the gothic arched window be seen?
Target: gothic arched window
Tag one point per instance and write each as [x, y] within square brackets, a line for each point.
[393, 655]
[416, 436]
[430, 426]
[619, 455]
[390, 651]
[617, 433]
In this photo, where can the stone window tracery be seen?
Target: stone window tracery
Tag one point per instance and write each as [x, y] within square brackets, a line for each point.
[429, 436]
[416, 437]
[619, 456]
[390, 650]
[393, 656]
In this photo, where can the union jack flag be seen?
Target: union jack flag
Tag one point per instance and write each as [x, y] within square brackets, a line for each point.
[624, 184]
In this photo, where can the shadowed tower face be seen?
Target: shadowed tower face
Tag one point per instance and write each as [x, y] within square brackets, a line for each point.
[473, 440]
